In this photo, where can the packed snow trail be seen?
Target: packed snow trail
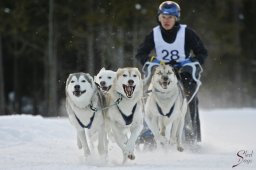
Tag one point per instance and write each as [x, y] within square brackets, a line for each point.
[33, 142]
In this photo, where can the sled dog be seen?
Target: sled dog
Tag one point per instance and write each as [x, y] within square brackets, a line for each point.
[125, 117]
[82, 101]
[166, 107]
[104, 79]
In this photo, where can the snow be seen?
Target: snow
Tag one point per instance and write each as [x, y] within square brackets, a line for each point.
[34, 142]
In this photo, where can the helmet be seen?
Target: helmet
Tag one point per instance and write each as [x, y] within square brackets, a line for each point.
[169, 8]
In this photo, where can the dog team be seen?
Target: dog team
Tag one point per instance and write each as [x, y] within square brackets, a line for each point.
[111, 106]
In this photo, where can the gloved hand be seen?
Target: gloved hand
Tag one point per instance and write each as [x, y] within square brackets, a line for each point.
[186, 61]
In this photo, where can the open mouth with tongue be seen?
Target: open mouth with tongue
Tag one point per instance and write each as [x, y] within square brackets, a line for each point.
[105, 88]
[78, 93]
[164, 84]
[128, 89]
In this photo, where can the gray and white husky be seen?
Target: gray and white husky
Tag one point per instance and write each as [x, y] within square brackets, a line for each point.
[82, 105]
[125, 118]
[166, 107]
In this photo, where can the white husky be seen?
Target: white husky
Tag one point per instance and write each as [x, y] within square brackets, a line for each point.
[166, 107]
[82, 101]
[126, 118]
[104, 79]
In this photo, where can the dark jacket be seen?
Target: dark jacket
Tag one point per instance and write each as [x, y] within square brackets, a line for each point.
[192, 43]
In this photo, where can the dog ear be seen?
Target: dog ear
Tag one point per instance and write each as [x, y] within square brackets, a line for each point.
[68, 79]
[138, 71]
[67, 82]
[95, 79]
[89, 78]
[119, 72]
[102, 69]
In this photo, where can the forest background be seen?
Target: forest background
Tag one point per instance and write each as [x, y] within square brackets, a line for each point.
[42, 41]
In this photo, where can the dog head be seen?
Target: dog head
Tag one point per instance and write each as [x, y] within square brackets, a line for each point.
[164, 77]
[104, 79]
[128, 81]
[80, 87]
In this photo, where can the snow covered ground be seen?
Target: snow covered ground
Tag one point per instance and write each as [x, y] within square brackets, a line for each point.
[33, 142]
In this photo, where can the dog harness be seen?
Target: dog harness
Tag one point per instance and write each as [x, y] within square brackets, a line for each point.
[89, 124]
[127, 119]
[161, 112]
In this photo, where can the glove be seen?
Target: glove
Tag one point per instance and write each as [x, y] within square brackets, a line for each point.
[173, 63]
[193, 59]
[186, 61]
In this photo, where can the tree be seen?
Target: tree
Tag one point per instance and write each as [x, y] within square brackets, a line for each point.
[2, 98]
[52, 65]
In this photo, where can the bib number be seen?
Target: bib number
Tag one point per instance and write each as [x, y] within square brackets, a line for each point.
[172, 55]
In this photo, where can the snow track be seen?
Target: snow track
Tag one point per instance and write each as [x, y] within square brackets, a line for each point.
[33, 142]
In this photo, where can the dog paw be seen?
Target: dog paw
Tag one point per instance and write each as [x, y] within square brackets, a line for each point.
[131, 156]
[179, 148]
[79, 146]
[163, 140]
[86, 152]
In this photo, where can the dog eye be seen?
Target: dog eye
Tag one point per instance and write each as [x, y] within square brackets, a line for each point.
[159, 73]
[109, 77]
[100, 77]
[134, 75]
[124, 75]
[72, 81]
[169, 72]
[83, 81]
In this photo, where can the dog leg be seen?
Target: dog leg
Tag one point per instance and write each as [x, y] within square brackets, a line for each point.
[121, 140]
[102, 147]
[179, 135]
[173, 136]
[135, 132]
[168, 130]
[83, 140]
[153, 126]
[181, 126]
[79, 144]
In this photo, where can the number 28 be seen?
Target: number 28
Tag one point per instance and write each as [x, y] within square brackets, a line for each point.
[172, 55]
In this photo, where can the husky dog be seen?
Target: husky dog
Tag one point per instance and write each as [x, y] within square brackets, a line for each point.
[166, 107]
[125, 117]
[82, 101]
[104, 79]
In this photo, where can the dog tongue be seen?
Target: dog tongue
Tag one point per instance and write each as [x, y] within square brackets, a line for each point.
[105, 88]
[129, 90]
[76, 93]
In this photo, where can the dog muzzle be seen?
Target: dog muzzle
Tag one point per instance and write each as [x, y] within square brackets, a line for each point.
[128, 89]
[105, 88]
[164, 83]
[78, 93]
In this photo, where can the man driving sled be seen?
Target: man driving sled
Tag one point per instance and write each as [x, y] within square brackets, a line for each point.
[174, 44]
